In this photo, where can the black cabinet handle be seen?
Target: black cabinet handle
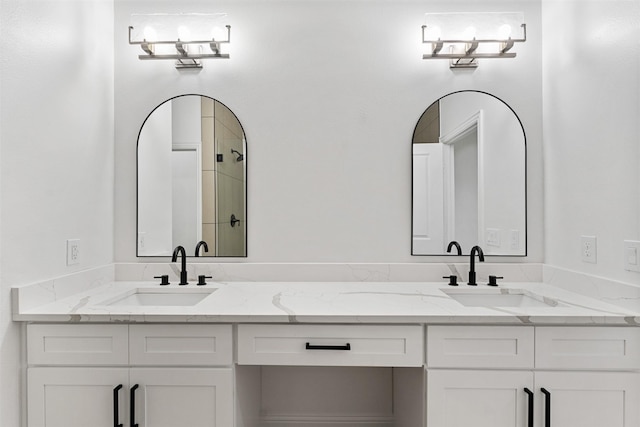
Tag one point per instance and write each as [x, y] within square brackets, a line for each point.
[547, 407]
[132, 407]
[116, 407]
[530, 411]
[347, 346]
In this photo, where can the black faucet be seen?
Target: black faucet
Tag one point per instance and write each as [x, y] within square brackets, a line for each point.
[472, 268]
[201, 243]
[456, 244]
[183, 264]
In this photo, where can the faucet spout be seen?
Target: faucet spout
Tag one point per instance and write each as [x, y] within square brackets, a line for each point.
[201, 243]
[457, 245]
[183, 263]
[472, 264]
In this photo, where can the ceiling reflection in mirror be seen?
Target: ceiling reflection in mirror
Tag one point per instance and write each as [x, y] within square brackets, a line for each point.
[469, 177]
[191, 176]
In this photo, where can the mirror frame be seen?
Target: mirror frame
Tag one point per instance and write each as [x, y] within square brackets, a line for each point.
[246, 184]
[524, 135]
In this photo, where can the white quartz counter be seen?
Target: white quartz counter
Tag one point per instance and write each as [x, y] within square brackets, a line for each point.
[333, 302]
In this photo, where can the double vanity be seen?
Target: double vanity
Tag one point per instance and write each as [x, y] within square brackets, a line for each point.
[354, 354]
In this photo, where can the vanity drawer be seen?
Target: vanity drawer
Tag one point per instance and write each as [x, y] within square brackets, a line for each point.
[77, 345]
[330, 345]
[204, 345]
[480, 347]
[588, 347]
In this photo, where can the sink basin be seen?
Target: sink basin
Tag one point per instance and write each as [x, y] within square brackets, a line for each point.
[161, 297]
[510, 298]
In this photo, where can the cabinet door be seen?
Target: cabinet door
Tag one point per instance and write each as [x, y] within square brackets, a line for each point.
[76, 397]
[170, 397]
[461, 398]
[589, 399]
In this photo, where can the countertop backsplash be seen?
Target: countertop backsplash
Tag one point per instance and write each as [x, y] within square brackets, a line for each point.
[613, 292]
[331, 272]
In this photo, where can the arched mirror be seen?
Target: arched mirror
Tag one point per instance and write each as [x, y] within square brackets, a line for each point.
[192, 180]
[469, 177]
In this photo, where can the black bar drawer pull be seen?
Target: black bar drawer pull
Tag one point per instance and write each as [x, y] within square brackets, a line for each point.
[347, 346]
[530, 410]
[132, 407]
[547, 407]
[116, 407]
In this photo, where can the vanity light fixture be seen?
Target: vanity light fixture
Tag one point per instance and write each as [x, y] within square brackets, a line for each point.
[464, 37]
[184, 37]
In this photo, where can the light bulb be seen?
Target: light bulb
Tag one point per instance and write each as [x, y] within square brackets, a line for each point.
[504, 32]
[469, 33]
[184, 34]
[150, 34]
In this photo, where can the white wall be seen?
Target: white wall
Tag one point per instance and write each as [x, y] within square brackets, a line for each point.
[154, 175]
[591, 73]
[186, 118]
[328, 93]
[56, 170]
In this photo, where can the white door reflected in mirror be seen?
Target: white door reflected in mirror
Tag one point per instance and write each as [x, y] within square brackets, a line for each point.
[469, 177]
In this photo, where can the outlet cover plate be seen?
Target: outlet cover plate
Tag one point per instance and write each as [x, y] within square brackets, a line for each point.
[493, 237]
[589, 249]
[632, 255]
[515, 240]
[73, 251]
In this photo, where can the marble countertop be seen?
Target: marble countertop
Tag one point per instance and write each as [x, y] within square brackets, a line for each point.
[331, 302]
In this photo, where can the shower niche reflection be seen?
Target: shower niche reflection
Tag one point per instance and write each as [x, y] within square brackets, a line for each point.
[191, 180]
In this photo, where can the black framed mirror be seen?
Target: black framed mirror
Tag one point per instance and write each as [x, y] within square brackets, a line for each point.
[469, 172]
[192, 180]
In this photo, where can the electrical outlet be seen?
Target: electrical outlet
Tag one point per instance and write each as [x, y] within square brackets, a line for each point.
[589, 249]
[632, 255]
[73, 251]
[493, 237]
[515, 239]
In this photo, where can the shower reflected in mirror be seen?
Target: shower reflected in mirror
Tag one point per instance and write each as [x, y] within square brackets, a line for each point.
[191, 180]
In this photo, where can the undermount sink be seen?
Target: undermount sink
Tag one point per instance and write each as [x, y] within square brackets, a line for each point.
[499, 298]
[161, 297]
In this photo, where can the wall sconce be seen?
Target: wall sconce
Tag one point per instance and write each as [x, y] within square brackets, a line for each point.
[464, 37]
[184, 37]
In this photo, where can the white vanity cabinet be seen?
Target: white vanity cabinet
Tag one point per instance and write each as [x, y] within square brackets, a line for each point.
[457, 398]
[128, 375]
[195, 397]
[532, 377]
[156, 375]
[76, 397]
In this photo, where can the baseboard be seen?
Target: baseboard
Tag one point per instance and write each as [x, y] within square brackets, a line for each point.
[326, 421]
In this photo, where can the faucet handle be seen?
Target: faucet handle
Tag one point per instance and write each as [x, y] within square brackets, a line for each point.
[493, 280]
[164, 279]
[453, 280]
[202, 279]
